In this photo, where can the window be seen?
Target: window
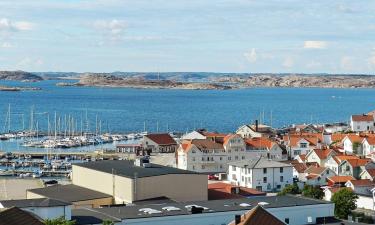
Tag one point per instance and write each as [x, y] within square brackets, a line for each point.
[229, 158]
[236, 157]
[278, 186]
[243, 157]
[286, 220]
[233, 168]
[193, 167]
[221, 158]
[193, 158]
[264, 179]
[327, 172]
[281, 178]
[264, 170]
[203, 167]
[303, 145]
[202, 158]
[281, 169]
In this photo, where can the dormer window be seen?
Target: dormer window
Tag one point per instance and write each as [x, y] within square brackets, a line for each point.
[303, 145]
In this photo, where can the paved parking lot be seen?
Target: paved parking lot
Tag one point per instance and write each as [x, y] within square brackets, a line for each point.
[14, 188]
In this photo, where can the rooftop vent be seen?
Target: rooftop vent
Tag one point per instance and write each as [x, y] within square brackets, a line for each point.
[245, 205]
[263, 203]
[150, 211]
[171, 208]
[197, 206]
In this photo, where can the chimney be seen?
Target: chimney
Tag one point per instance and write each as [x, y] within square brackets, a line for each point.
[256, 125]
[237, 219]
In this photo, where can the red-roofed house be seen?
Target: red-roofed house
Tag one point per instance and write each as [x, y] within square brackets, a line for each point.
[298, 144]
[360, 123]
[273, 150]
[317, 175]
[368, 145]
[338, 181]
[368, 173]
[222, 190]
[162, 143]
[353, 167]
[352, 143]
[319, 155]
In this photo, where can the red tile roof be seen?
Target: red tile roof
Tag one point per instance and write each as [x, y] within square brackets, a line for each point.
[259, 143]
[315, 170]
[340, 179]
[363, 182]
[222, 190]
[358, 162]
[359, 118]
[322, 153]
[161, 139]
[258, 216]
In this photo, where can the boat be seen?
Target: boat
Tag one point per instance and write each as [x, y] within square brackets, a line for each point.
[6, 173]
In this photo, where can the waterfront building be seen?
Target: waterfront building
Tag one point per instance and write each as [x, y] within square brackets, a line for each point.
[212, 155]
[122, 181]
[132, 148]
[255, 130]
[159, 143]
[273, 149]
[261, 173]
[360, 123]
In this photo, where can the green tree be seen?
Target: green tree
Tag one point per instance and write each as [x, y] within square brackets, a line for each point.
[312, 192]
[108, 222]
[356, 147]
[345, 202]
[290, 189]
[59, 221]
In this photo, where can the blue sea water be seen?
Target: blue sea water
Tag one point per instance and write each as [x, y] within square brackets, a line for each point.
[126, 110]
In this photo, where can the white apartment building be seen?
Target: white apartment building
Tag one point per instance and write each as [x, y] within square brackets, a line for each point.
[359, 123]
[261, 174]
[208, 156]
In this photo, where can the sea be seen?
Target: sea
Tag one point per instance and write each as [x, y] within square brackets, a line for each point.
[126, 110]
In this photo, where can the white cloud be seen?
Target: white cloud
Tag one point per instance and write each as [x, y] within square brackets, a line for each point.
[6, 45]
[251, 56]
[315, 44]
[288, 62]
[7, 25]
[112, 29]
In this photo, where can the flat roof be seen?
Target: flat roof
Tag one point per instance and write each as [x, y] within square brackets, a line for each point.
[126, 168]
[69, 193]
[133, 212]
[36, 202]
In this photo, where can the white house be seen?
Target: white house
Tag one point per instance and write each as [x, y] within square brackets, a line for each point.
[363, 189]
[45, 208]
[272, 149]
[368, 145]
[317, 175]
[261, 174]
[257, 130]
[352, 144]
[360, 123]
[302, 144]
[193, 135]
[208, 156]
[159, 142]
[319, 156]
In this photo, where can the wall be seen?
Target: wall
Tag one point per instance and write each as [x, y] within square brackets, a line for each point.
[51, 212]
[365, 202]
[179, 187]
[92, 179]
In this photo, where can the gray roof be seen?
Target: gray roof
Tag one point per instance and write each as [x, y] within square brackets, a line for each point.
[259, 163]
[36, 202]
[132, 212]
[127, 168]
[69, 193]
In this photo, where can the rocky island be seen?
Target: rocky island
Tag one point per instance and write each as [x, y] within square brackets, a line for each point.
[108, 80]
[8, 88]
[19, 76]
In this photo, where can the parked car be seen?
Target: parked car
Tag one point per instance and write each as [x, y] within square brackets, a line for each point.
[213, 177]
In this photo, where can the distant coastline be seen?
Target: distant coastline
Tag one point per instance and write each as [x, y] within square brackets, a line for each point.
[195, 80]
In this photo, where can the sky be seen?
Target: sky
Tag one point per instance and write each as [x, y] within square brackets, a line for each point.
[285, 36]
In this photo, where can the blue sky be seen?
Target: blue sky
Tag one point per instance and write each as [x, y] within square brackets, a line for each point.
[188, 35]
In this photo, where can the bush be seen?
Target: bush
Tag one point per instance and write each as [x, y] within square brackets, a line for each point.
[290, 189]
[312, 192]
